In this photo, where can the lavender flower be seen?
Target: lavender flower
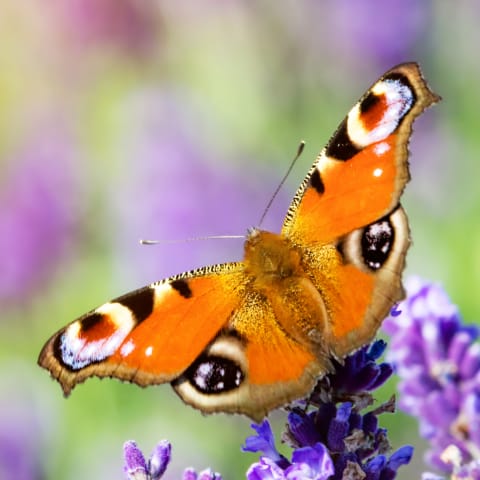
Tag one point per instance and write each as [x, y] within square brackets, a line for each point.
[137, 468]
[37, 209]
[334, 439]
[312, 462]
[384, 43]
[26, 420]
[307, 463]
[438, 361]
[20, 457]
[128, 24]
[360, 372]
[207, 474]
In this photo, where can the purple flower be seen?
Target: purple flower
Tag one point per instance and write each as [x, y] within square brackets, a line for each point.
[360, 371]
[264, 442]
[37, 209]
[207, 474]
[128, 24]
[27, 421]
[19, 453]
[438, 361]
[331, 435]
[137, 468]
[460, 470]
[307, 463]
[398, 25]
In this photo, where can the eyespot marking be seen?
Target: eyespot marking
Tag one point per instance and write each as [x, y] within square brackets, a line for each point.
[106, 328]
[381, 111]
[212, 374]
[377, 242]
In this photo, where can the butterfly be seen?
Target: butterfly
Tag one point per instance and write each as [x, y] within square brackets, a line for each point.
[250, 336]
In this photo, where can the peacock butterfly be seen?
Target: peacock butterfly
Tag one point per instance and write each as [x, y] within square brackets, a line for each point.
[251, 336]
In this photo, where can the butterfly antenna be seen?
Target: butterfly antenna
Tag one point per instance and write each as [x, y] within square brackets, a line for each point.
[191, 239]
[280, 185]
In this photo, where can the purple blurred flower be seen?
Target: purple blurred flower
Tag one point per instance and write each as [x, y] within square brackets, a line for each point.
[129, 24]
[37, 211]
[334, 439]
[19, 454]
[368, 34]
[26, 420]
[398, 25]
[386, 32]
[460, 469]
[137, 468]
[438, 361]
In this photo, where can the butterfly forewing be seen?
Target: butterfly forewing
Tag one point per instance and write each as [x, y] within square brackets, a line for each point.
[149, 336]
[359, 176]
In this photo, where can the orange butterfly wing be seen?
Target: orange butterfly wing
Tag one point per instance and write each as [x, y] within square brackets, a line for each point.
[359, 176]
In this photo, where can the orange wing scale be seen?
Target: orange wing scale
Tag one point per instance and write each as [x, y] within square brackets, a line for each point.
[279, 361]
[357, 192]
[356, 295]
[159, 348]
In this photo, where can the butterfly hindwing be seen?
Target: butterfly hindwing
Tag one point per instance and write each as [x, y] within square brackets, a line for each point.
[265, 367]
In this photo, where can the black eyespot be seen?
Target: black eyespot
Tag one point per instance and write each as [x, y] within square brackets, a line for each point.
[377, 242]
[214, 374]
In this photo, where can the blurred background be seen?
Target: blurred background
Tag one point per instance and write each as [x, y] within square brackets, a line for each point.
[130, 119]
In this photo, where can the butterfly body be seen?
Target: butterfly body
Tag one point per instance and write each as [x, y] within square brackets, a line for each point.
[250, 336]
